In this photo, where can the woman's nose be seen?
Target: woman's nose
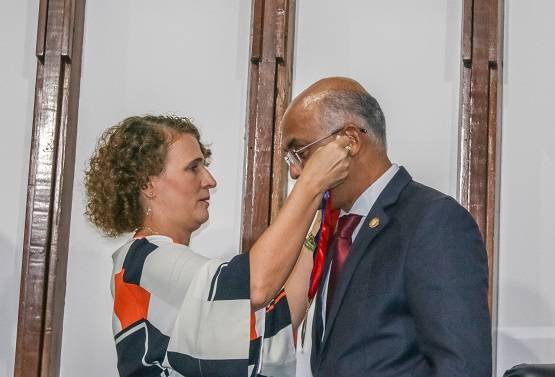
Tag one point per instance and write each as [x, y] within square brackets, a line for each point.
[209, 180]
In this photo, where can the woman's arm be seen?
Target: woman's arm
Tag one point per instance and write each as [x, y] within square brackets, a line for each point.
[275, 253]
[297, 285]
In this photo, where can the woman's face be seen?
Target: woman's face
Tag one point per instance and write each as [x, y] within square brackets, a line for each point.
[181, 191]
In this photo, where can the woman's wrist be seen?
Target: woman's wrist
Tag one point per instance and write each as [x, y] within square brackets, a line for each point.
[311, 186]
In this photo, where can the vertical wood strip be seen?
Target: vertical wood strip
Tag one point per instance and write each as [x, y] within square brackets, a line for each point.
[49, 191]
[467, 30]
[284, 55]
[479, 110]
[41, 28]
[270, 75]
[480, 121]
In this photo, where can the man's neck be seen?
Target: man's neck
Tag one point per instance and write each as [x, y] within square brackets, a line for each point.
[367, 174]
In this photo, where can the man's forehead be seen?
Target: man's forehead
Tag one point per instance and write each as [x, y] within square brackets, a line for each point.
[292, 141]
[300, 134]
[296, 127]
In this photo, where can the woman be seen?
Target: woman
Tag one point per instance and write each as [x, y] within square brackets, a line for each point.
[178, 313]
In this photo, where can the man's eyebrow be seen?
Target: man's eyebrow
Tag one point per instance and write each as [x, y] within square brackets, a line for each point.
[290, 145]
[295, 144]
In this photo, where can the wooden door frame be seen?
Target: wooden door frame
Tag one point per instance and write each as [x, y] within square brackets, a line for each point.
[480, 127]
[480, 120]
[50, 188]
[270, 76]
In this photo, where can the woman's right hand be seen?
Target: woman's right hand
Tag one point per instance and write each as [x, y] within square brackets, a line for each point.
[328, 166]
[274, 254]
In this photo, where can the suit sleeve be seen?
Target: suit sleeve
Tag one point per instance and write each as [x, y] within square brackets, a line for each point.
[447, 287]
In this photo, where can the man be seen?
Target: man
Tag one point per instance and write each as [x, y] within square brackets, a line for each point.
[404, 287]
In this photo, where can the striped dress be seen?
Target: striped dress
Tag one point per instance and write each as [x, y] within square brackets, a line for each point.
[177, 313]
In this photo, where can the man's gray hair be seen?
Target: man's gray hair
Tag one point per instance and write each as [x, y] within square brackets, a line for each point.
[341, 104]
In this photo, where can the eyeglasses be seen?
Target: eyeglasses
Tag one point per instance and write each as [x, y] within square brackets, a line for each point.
[294, 157]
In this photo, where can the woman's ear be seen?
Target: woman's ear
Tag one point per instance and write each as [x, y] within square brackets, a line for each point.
[148, 190]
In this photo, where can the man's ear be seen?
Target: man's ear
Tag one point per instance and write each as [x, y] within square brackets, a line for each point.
[354, 135]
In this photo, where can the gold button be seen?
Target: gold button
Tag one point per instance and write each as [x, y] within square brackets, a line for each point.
[374, 222]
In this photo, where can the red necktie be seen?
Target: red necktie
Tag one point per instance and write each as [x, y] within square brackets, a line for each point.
[340, 247]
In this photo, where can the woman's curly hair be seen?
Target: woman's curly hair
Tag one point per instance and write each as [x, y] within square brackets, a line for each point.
[126, 155]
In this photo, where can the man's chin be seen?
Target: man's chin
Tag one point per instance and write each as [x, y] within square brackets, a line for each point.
[336, 197]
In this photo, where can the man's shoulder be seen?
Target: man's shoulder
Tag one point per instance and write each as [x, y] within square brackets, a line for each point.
[417, 199]
[422, 194]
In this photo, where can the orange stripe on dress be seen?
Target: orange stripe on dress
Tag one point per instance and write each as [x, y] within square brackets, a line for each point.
[130, 301]
[254, 335]
[276, 299]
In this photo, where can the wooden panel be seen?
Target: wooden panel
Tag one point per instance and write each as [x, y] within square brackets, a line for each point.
[467, 31]
[284, 55]
[41, 28]
[479, 134]
[269, 94]
[49, 188]
[478, 120]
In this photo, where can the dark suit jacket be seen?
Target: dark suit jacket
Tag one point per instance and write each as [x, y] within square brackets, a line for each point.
[412, 297]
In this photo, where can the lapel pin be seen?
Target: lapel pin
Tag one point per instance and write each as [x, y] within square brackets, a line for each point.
[374, 222]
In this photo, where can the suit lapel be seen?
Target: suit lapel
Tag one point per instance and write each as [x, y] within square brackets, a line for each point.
[363, 239]
[365, 236]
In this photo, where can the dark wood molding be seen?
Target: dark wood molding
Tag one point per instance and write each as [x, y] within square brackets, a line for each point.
[50, 184]
[270, 75]
[481, 90]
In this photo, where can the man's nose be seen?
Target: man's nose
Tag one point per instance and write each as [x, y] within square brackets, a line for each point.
[295, 171]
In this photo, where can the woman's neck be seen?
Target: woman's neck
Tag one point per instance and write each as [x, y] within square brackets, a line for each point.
[150, 228]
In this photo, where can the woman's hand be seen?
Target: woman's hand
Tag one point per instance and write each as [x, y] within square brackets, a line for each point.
[328, 166]
[274, 254]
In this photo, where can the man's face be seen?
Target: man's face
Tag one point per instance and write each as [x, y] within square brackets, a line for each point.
[300, 128]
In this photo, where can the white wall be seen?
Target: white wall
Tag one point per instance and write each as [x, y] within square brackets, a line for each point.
[407, 55]
[526, 302]
[18, 29]
[182, 56]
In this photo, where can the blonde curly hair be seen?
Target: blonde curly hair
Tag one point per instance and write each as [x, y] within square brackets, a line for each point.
[126, 155]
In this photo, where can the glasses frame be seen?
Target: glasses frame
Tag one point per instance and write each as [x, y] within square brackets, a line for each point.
[292, 157]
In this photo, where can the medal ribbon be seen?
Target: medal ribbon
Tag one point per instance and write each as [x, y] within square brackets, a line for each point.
[329, 220]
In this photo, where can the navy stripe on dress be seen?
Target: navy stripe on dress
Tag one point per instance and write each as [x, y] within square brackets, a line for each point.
[135, 260]
[235, 274]
[278, 317]
[141, 349]
[193, 367]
